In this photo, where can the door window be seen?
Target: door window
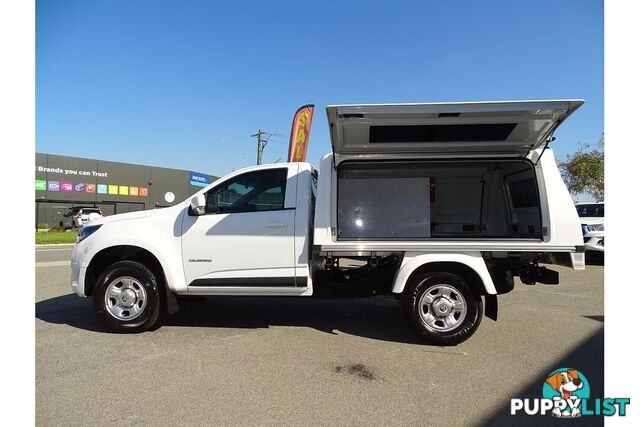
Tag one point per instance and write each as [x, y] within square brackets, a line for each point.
[250, 192]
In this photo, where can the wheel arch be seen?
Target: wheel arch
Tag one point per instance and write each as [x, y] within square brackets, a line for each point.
[110, 255]
[470, 267]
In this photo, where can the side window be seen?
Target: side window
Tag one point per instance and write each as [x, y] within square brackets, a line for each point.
[523, 193]
[250, 192]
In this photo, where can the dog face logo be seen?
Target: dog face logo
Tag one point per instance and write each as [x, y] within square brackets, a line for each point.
[567, 387]
[565, 382]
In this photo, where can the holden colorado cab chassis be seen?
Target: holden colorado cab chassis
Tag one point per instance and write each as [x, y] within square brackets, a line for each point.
[440, 205]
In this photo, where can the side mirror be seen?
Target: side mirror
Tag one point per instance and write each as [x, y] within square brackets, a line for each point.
[198, 204]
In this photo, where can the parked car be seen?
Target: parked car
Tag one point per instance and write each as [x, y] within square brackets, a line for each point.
[440, 205]
[592, 221]
[79, 216]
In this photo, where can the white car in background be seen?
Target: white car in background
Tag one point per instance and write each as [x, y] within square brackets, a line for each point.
[592, 220]
[79, 216]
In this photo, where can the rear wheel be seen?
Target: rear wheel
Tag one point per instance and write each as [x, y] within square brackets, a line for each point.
[127, 298]
[441, 308]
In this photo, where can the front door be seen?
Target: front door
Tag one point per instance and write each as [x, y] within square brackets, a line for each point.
[246, 237]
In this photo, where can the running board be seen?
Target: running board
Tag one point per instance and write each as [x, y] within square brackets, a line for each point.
[249, 290]
[251, 282]
[294, 285]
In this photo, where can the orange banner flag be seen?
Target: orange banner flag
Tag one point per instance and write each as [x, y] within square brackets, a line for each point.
[300, 130]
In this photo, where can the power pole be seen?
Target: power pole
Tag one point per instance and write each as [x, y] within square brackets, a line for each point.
[261, 144]
[263, 139]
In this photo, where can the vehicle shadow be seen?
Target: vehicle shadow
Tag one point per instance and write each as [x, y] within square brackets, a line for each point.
[587, 357]
[376, 318]
[69, 310]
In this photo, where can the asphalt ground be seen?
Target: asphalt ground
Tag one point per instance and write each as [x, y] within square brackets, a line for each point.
[304, 361]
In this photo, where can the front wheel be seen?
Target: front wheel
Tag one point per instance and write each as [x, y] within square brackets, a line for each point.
[127, 298]
[441, 308]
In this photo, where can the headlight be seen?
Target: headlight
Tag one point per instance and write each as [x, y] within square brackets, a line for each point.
[595, 227]
[588, 228]
[87, 231]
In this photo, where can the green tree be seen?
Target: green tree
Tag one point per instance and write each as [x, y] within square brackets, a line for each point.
[583, 171]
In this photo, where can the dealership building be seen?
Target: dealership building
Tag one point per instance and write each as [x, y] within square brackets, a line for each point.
[64, 182]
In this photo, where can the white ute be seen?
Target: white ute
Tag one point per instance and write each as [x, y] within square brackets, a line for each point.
[439, 204]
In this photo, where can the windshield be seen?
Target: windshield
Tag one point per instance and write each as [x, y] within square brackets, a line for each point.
[595, 209]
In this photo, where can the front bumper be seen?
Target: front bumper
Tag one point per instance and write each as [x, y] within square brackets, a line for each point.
[77, 270]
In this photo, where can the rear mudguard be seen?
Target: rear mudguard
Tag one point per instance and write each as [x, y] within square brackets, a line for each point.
[415, 260]
[473, 260]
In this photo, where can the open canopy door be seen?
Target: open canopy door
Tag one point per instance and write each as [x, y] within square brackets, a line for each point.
[474, 129]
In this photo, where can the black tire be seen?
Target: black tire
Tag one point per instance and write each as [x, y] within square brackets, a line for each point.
[414, 291]
[150, 317]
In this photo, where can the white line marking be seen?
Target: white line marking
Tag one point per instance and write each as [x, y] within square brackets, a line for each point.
[53, 264]
[57, 249]
[54, 245]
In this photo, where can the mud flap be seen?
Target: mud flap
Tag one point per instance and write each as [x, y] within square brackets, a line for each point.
[578, 260]
[172, 303]
[491, 307]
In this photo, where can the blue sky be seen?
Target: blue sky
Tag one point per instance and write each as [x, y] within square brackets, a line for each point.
[185, 83]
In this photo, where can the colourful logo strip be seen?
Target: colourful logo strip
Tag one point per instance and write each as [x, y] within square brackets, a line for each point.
[83, 187]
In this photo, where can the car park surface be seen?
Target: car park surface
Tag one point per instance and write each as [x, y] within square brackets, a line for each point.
[247, 361]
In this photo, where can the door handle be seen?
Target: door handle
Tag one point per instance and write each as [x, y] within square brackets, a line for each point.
[277, 224]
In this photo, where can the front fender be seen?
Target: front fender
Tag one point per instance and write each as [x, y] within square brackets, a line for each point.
[169, 259]
[415, 260]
